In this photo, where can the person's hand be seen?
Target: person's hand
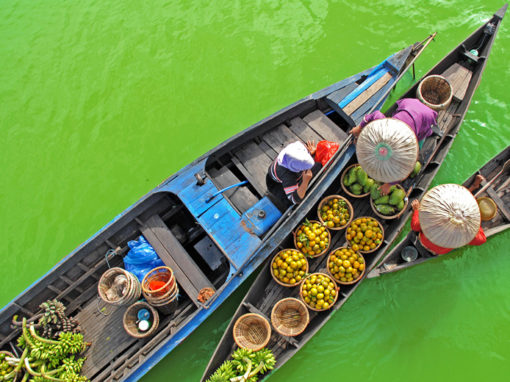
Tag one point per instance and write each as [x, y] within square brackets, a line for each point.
[355, 131]
[478, 180]
[307, 175]
[415, 204]
[311, 147]
[385, 188]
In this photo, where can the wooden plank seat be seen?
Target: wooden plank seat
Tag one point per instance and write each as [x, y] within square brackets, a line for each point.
[459, 78]
[279, 137]
[357, 102]
[302, 130]
[253, 162]
[241, 197]
[337, 96]
[325, 127]
[187, 273]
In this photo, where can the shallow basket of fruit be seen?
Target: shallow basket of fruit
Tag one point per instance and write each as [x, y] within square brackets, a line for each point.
[345, 265]
[355, 181]
[290, 317]
[289, 267]
[389, 206]
[365, 234]
[312, 238]
[335, 212]
[319, 292]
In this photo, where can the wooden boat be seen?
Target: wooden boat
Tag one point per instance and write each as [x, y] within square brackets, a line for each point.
[499, 192]
[212, 238]
[464, 70]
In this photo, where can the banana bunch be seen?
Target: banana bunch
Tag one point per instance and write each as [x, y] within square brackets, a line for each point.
[240, 368]
[54, 320]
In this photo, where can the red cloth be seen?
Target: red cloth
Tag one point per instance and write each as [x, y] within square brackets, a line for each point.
[436, 249]
[324, 151]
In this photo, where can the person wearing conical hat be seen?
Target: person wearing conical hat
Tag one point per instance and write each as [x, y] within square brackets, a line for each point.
[290, 173]
[448, 217]
[419, 117]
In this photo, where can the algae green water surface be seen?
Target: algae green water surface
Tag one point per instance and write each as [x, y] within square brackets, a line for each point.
[102, 100]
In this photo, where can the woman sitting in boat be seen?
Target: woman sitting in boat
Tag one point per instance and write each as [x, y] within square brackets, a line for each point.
[290, 173]
[419, 117]
[451, 217]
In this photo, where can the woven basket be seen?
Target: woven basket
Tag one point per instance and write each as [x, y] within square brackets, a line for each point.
[301, 292]
[251, 331]
[346, 190]
[130, 320]
[435, 91]
[488, 208]
[290, 317]
[349, 207]
[162, 274]
[111, 294]
[344, 282]
[389, 217]
[382, 231]
[276, 278]
[325, 249]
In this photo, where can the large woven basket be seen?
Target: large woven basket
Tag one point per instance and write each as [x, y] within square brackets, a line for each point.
[389, 217]
[349, 207]
[303, 299]
[344, 282]
[115, 293]
[435, 91]
[346, 190]
[251, 331]
[290, 317]
[276, 278]
[318, 254]
[130, 320]
[382, 232]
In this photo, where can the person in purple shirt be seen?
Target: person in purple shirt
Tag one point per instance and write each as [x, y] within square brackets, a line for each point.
[419, 117]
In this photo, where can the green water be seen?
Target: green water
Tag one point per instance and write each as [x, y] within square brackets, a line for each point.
[102, 100]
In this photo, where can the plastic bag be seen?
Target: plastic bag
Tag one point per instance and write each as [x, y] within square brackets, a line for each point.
[325, 151]
[141, 258]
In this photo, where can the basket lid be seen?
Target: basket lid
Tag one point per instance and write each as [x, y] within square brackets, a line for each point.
[387, 150]
[449, 216]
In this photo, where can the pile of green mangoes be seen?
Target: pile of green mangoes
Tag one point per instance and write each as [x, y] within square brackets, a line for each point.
[390, 204]
[357, 181]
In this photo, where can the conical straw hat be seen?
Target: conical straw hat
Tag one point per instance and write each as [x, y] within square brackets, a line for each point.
[387, 150]
[449, 216]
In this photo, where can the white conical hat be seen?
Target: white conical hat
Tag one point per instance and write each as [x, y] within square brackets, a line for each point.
[449, 216]
[387, 150]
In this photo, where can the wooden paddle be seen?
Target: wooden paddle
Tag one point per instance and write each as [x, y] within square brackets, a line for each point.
[506, 166]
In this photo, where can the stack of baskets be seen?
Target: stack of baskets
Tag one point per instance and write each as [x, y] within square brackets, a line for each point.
[119, 287]
[160, 289]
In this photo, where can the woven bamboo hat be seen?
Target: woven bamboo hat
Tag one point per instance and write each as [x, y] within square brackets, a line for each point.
[449, 216]
[387, 150]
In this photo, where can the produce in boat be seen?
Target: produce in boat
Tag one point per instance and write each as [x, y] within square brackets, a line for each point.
[289, 266]
[357, 181]
[318, 291]
[364, 234]
[346, 265]
[335, 213]
[312, 238]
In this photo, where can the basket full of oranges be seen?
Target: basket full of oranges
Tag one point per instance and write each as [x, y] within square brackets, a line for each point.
[345, 265]
[289, 267]
[335, 212]
[365, 234]
[312, 238]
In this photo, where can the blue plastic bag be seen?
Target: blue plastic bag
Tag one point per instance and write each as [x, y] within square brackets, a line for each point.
[141, 258]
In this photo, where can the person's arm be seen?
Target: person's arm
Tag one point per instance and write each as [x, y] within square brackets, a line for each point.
[301, 190]
[479, 239]
[385, 188]
[415, 221]
[476, 183]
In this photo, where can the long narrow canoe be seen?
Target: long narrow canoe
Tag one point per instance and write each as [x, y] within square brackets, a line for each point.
[464, 70]
[499, 191]
[210, 239]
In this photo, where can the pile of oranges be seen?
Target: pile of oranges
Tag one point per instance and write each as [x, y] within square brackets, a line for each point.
[312, 238]
[289, 267]
[346, 265]
[335, 212]
[318, 291]
[364, 234]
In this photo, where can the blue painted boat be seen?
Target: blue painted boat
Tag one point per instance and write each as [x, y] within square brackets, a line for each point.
[212, 235]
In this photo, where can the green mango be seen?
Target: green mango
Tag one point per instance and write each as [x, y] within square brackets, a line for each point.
[416, 171]
[400, 205]
[397, 196]
[386, 209]
[350, 177]
[361, 176]
[382, 200]
[356, 189]
[368, 185]
[374, 192]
